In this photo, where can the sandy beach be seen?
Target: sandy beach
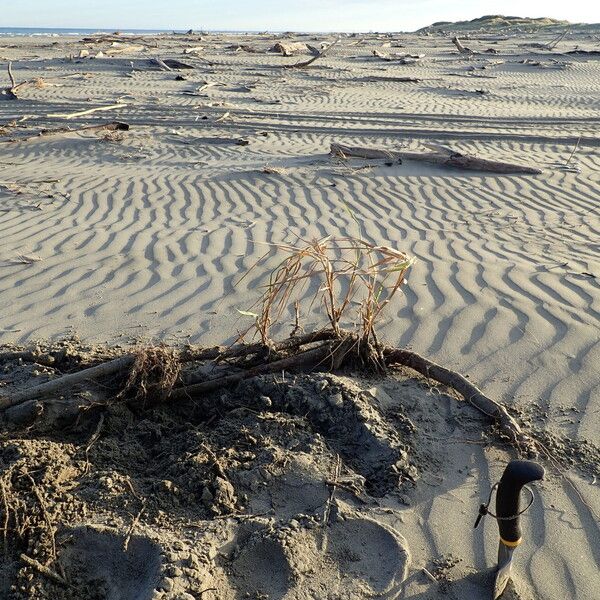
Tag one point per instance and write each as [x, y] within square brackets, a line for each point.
[145, 233]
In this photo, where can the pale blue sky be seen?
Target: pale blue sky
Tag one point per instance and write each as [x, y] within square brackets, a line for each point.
[305, 15]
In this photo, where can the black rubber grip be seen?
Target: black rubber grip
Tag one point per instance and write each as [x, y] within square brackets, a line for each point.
[517, 474]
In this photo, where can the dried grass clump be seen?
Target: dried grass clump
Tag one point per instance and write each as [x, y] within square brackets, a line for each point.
[153, 375]
[357, 280]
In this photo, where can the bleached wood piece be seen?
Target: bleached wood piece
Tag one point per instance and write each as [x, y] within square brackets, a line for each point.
[310, 61]
[462, 49]
[90, 111]
[444, 157]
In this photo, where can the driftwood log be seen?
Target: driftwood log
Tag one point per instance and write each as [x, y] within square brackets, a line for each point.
[322, 350]
[11, 92]
[441, 156]
[290, 48]
[111, 38]
[383, 78]
[401, 59]
[462, 49]
[112, 126]
[310, 61]
[193, 50]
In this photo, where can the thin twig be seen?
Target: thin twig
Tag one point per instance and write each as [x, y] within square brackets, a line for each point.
[135, 521]
[573, 153]
[333, 484]
[42, 503]
[43, 570]
[297, 325]
[560, 470]
[92, 441]
[6, 517]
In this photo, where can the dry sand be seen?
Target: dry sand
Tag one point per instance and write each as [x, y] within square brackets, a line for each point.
[145, 234]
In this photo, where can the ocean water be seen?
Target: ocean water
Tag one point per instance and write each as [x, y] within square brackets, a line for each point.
[74, 31]
[88, 31]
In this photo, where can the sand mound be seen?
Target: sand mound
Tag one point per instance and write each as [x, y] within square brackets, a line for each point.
[496, 22]
[236, 494]
[286, 487]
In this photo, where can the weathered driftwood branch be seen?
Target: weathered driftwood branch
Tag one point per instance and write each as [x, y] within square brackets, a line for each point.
[170, 64]
[61, 384]
[383, 78]
[223, 353]
[324, 354]
[289, 48]
[462, 49]
[445, 157]
[33, 356]
[43, 570]
[89, 111]
[401, 59]
[308, 358]
[112, 126]
[464, 387]
[11, 92]
[330, 352]
[119, 48]
[106, 39]
[552, 44]
[13, 83]
[193, 50]
[310, 61]
[162, 64]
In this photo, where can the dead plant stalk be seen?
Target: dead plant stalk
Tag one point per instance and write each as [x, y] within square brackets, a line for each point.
[350, 271]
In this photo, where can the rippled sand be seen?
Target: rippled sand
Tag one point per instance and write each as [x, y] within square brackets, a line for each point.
[148, 235]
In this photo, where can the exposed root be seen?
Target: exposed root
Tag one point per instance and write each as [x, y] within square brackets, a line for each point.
[153, 374]
[507, 424]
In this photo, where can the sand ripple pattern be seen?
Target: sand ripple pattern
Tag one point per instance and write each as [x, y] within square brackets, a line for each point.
[149, 236]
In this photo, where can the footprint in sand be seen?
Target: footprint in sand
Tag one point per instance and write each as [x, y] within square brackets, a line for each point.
[262, 566]
[96, 556]
[369, 556]
[352, 558]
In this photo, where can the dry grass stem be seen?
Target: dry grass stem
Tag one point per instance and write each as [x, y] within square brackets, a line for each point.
[357, 280]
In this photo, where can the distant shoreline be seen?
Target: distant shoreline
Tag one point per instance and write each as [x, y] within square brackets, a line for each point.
[55, 31]
[81, 30]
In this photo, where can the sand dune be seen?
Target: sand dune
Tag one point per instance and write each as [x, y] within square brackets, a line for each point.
[148, 236]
